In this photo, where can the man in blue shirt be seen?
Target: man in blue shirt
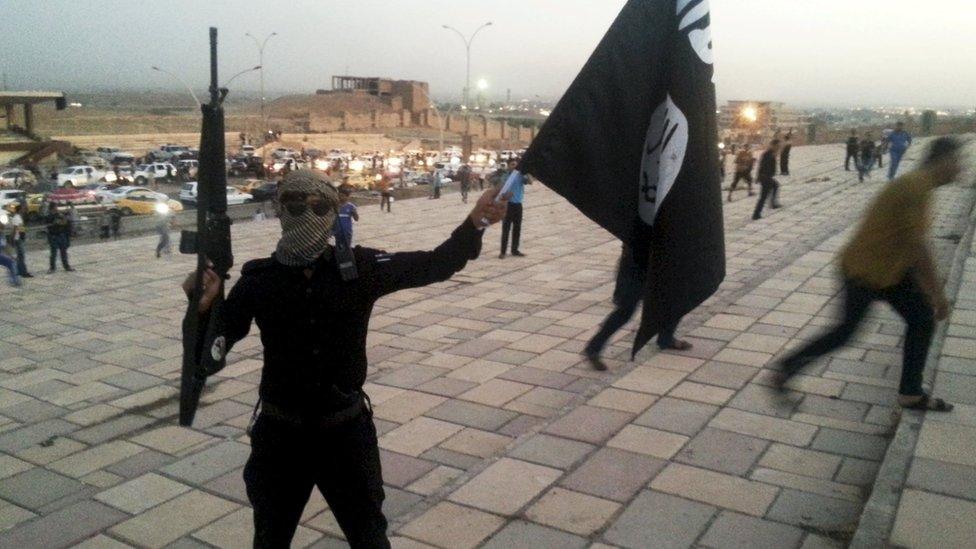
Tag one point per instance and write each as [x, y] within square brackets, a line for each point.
[347, 214]
[898, 143]
[513, 217]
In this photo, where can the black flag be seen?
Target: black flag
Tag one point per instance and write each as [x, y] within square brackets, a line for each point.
[634, 145]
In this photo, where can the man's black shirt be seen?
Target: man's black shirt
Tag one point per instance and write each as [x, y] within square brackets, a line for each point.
[852, 144]
[314, 328]
[767, 165]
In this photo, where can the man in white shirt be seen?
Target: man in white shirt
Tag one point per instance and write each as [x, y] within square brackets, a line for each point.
[18, 234]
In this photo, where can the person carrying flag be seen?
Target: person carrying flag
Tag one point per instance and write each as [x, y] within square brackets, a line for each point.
[626, 297]
[633, 144]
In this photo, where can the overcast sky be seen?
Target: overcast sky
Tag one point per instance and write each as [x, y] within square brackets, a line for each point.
[807, 52]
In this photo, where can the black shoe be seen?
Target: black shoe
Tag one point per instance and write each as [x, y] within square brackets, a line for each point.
[49, 271]
[518, 254]
[501, 255]
[69, 269]
[27, 275]
[756, 217]
[596, 363]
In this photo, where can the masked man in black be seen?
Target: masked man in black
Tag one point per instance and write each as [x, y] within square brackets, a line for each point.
[315, 425]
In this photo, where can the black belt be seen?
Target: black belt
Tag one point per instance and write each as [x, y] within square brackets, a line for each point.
[334, 419]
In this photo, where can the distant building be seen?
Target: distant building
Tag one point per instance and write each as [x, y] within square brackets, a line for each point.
[756, 121]
[399, 95]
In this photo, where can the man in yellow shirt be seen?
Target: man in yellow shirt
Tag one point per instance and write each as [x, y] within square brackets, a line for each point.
[889, 259]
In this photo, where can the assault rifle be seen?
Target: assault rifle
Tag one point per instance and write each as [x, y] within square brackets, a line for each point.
[204, 347]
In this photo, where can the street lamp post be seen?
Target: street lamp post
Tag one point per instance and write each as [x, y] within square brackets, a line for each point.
[467, 47]
[181, 81]
[261, 44]
[243, 72]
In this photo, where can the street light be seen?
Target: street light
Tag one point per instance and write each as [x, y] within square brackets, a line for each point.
[467, 46]
[181, 81]
[243, 72]
[261, 44]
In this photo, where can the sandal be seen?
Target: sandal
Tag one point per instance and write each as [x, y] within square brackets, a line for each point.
[929, 404]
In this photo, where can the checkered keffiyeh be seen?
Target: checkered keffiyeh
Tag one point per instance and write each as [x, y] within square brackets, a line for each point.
[305, 237]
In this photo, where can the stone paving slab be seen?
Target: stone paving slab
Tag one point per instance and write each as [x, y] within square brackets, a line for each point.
[493, 430]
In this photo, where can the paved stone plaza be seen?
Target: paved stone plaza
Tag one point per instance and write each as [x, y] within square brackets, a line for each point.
[494, 431]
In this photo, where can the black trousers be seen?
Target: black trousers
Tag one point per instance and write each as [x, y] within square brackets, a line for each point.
[21, 248]
[616, 320]
[59, 245]
[913, 306]
[784, 161]
[627, 295]
[288, 460]
[847, 160]
[770, 191]
[513, 224]
[385, 201]
[735, 181]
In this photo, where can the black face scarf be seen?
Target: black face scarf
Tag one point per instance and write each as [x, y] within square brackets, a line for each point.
[305, 237]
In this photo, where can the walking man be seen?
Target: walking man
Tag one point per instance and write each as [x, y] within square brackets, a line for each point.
[314, 423]
[513, 217]
[465, 175]
[58, 237]
[889, 259]
[626, 297]
[18, 233]
[898, 143]
[784, 156]
[163, 222]
[866, 162]
[770, 187]
[383, 185]
[852, 150]
[744, 161]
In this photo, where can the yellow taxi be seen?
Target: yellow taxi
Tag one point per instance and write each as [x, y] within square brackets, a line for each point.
[147, 203]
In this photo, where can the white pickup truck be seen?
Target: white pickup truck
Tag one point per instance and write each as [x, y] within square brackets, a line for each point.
[79, 176]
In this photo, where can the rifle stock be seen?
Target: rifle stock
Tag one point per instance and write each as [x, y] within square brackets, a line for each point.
[204, 347]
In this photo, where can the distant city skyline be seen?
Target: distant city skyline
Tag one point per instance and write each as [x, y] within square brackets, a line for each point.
[825, 54]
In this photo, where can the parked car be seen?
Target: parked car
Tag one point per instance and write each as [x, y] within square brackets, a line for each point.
[33, 207]
[16, 177]
[146, 203]
[71, 195]
[264, 192]
[247, 150]
[11, 196]
[284, 152]
[187, 169]
[159, 170]
[166, 152]
[290, 163]
[188, 194]
[122, 159]
[77, 176]
[106, 153]
[246, 165]
[118, 193]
